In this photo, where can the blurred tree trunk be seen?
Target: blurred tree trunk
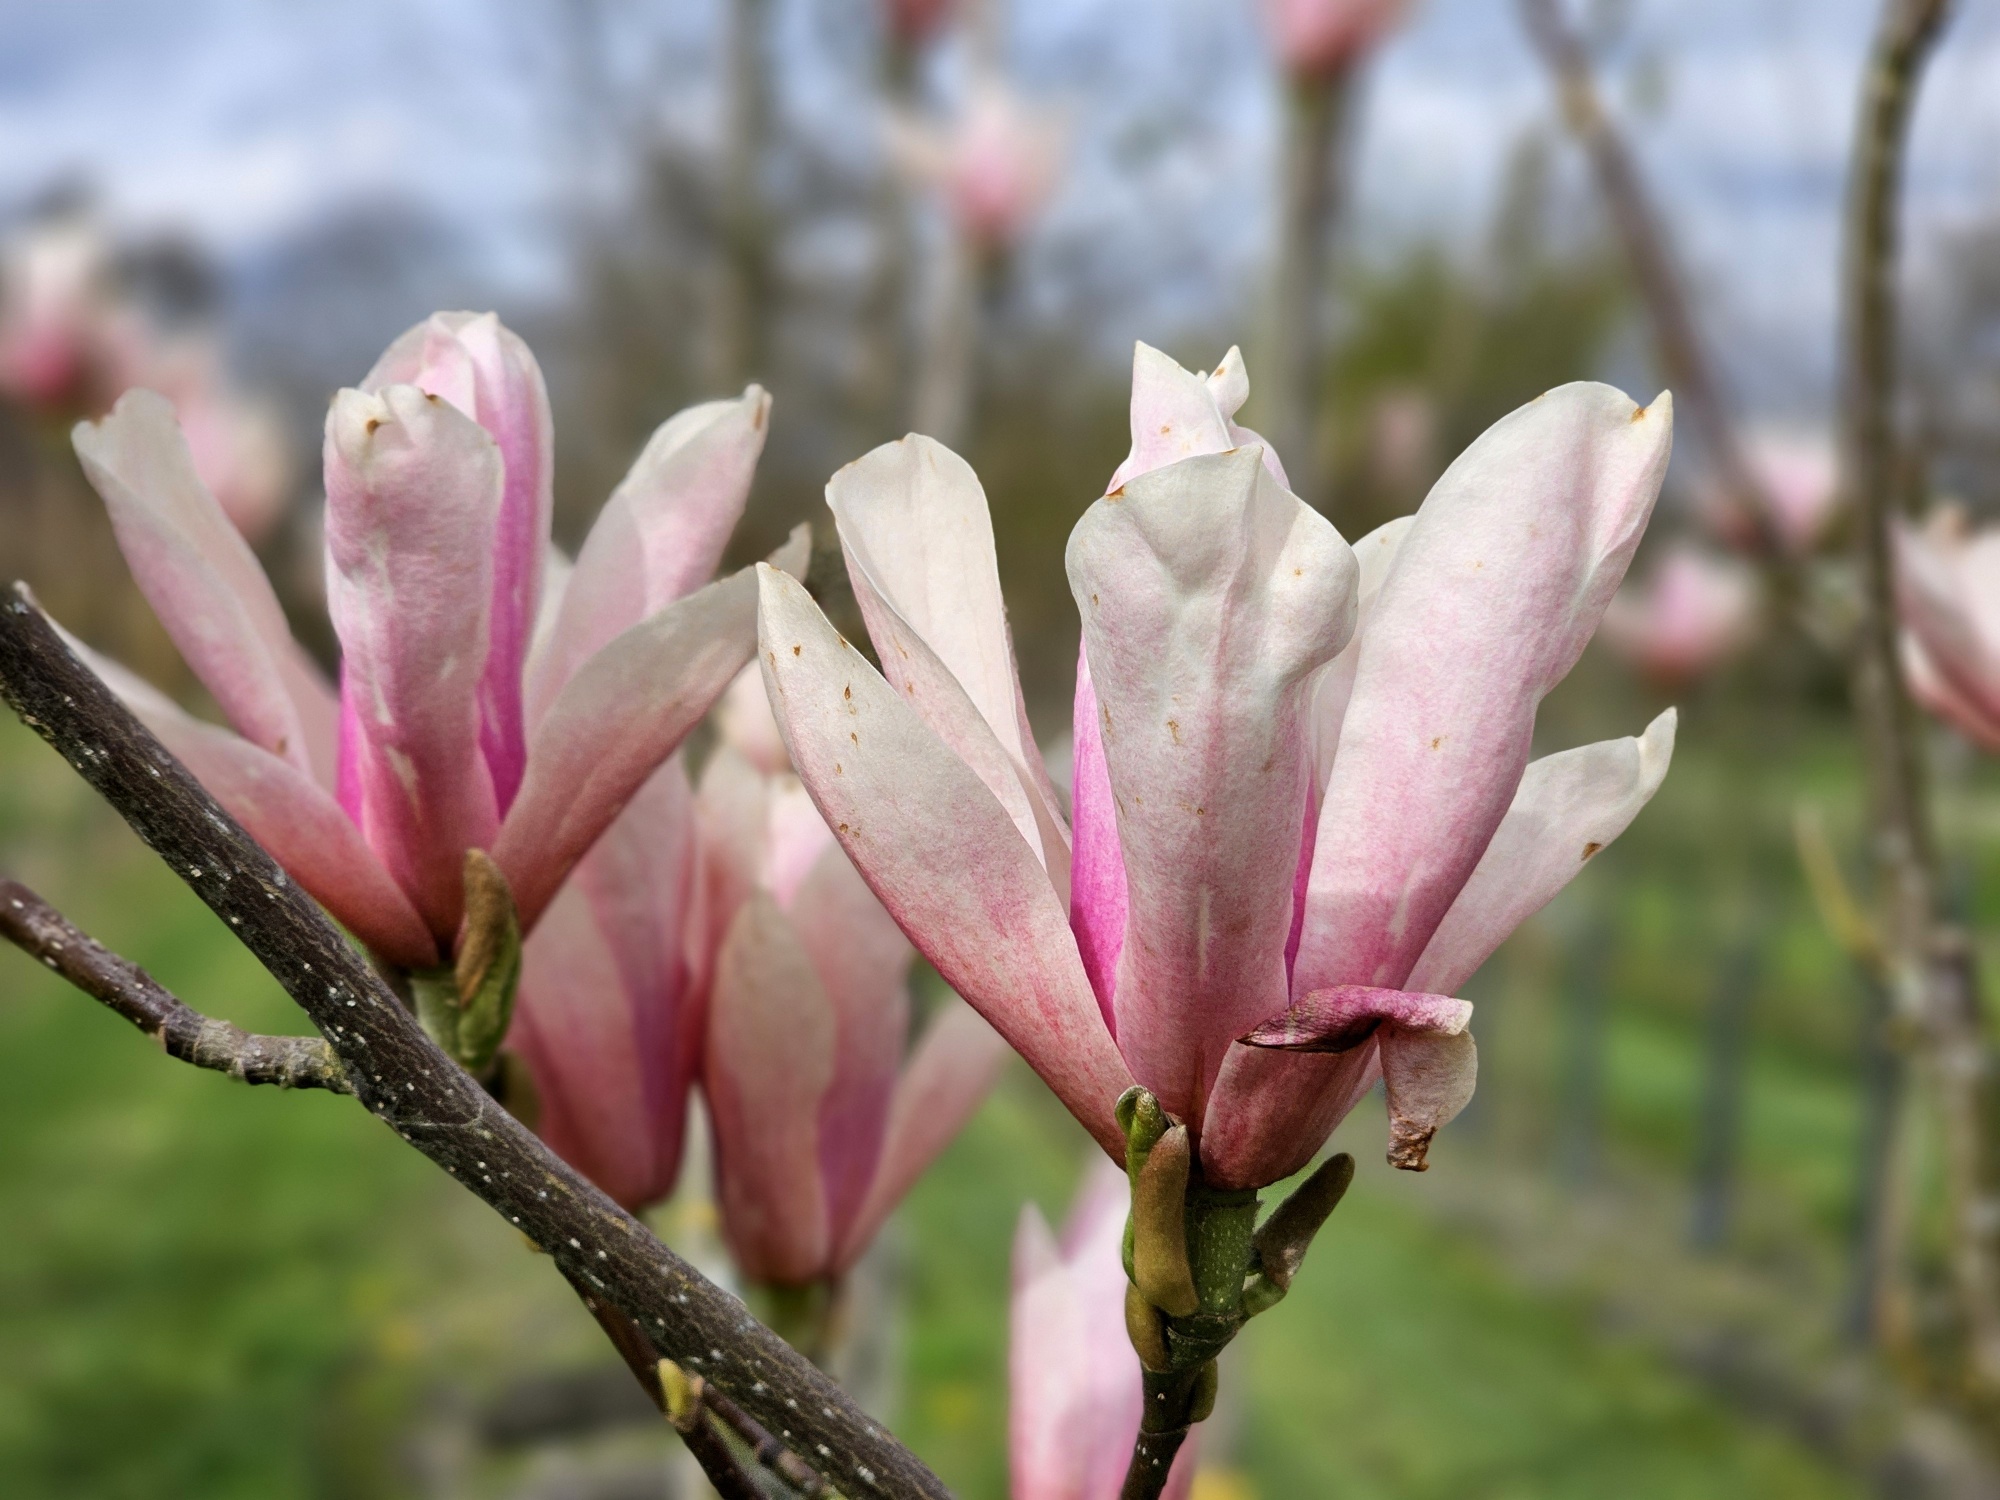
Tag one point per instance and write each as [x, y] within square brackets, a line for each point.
[948, 374]
[885, 376]
[1929, 969]
[743, 306]
[1310, 190]
[1642, 234]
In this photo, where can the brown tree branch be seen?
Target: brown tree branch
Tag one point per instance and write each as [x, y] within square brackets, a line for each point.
[1927, 964]
[1642, 234]
[289, 1062]
[402, 1077]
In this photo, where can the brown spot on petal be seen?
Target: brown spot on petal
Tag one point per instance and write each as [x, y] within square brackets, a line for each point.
[1591, 848]
[848, 691]
[1639, 415]
[1174, 729]
[797, 649]
[370, 425]
[843, 828]
[836, 768]
[855, 738]
[1436, 742]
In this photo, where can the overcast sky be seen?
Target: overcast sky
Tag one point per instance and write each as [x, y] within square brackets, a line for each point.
[243, 119]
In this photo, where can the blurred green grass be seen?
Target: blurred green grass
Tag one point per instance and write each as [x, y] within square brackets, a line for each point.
[212, 1291]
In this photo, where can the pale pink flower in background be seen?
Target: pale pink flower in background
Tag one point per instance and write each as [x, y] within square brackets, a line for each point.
[1799, 475]
[1948, 594]
[1319, 38]
[1274, 804]
[1801, 478]
[915, 22]
[1690, 614]
[63, 339]
[821, 1123]
[237, 443]
[994, 165]
[1074, 1384]
[447, 733]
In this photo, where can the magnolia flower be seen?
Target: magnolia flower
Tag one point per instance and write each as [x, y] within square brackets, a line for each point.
[915, 21]
[62, 339]
[1694, 611]
[1073, 1380]
[1797, 473]
[447, 734]
[1801, 480]
[1948, 594]
[821, 1126]
[237, 443]
[1273, 805]
[995, 166]
[1318, 38]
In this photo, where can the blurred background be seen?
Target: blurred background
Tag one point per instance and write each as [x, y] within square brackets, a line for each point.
[1660, 1256]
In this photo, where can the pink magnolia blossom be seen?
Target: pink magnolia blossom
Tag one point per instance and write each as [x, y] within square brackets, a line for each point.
[995, 165]
[1271, 799]
[237, 443]
[914, 22]
[1073, 1381]
[1798, 472]
[1693, 612]
[1319, 38]
[1801, 479]
[448, 733]
[1948, 594]
[64, 341]
[821, 1124]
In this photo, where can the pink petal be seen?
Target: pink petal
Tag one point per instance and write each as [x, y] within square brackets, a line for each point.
[1569, 806]
[1208, 593]
[1929, 687]
[942, 1086]
[413, 489]
[1343, 1018]
[488, 373]
[660, 535]
[624, 712]
[743, 720]
[1492, 596]
[939, 852]
[1074, 1383]
[733, 816]
[289, 814]
[772, 1040]
[1179, 414]
[605, 1017]
[203, 581]
[1334, 684]
[1271, 1111]
[863, 961]
[1098, 901]
[1429, 1078]
[919, 544]
[1944, 587]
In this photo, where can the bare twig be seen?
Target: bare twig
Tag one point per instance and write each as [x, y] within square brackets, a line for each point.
[772, 1454]
[681, 1400]
[290, 1062]
[405, 1080]
[1317, 111]
[1927, 965]
[1685, 360]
